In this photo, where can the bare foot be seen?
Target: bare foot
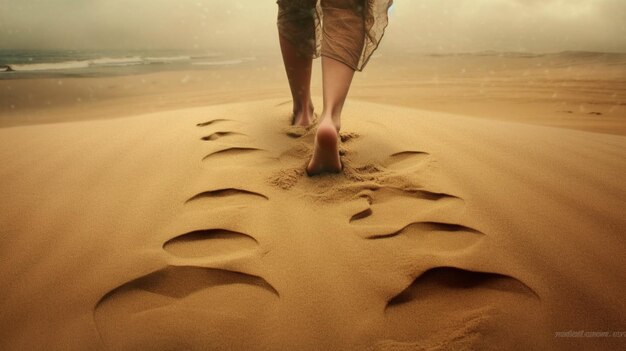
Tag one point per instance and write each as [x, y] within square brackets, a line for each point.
[326, 150]
[303, 117]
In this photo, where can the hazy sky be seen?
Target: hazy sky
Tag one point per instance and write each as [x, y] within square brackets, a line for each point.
[416, 25]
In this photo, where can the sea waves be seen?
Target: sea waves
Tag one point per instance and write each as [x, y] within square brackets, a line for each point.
[30, 63]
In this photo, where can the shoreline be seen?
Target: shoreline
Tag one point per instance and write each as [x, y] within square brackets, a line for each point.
[568, 91]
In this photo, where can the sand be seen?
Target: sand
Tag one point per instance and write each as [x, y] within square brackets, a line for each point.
[575, 90]
[196, 229]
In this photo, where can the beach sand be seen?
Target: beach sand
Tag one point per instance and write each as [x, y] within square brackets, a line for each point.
[195, 228]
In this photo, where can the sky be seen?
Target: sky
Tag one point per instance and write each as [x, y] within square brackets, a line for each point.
[219, 25]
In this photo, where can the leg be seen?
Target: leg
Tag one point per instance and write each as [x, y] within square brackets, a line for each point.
[297, 36]
[337, 78]
[298, 70]
[341, 49]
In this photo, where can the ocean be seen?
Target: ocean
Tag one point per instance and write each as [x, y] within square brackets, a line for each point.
[25, 63]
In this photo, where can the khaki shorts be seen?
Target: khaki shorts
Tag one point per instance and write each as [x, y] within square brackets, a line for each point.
[346, 30]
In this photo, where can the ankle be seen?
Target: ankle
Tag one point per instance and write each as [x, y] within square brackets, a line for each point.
[303, 108]
[335, 120]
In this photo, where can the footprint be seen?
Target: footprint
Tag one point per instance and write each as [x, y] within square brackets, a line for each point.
[218, 135]
[430, 195]
[440, 281]
[392, 205]
[208, 123]
[454, 308]
[210, 243]
[430, 238]
[429, 227]
[406, 159]
[180, 282]
[179, 306]
[231, 151]
[363, 214]
[227, 193]
[439, 296]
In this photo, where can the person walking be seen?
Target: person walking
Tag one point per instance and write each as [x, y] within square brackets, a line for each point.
[344, 33]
